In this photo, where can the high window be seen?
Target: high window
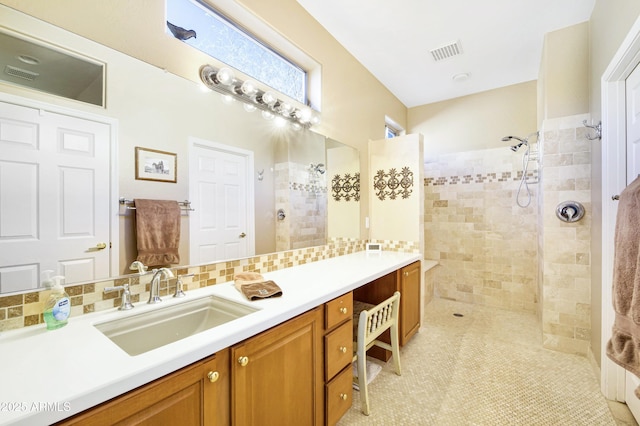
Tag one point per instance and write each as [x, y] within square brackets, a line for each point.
[219, 37]
[390, 132]
[391, 128]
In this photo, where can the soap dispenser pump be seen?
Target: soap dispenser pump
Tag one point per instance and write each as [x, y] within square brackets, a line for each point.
[58, 307]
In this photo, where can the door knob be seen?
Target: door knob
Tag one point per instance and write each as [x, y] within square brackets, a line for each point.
[242, 235]
[100, 246]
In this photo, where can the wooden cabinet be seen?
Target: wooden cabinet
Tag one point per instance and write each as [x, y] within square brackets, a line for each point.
[338, 356]
[406, 280]
[277, 376]
[410, 297]
[196, 395]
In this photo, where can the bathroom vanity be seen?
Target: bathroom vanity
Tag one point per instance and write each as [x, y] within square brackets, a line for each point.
[290, 360]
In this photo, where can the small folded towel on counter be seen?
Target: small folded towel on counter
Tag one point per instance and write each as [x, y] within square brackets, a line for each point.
[624, 346]
[261, 290]
[254, 286]
[157, 231]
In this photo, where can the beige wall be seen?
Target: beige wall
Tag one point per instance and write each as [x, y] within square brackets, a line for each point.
[608, 27]
[564, 73]
[354, 103]
[476, 121]
[397, 211]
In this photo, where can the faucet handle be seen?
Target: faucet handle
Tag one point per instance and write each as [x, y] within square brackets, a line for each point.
[126, 304]
[179, 290]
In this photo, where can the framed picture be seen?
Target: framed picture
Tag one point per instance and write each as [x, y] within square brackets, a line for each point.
[152, 164]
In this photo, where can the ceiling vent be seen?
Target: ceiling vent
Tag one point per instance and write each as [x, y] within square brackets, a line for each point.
[448, 51]
[20, 73]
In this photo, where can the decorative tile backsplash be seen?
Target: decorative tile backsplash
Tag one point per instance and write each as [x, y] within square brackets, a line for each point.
[23, 310]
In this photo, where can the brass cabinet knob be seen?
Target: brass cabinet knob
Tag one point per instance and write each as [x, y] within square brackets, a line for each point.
[343, 310]
[344, 396]
[343, 349]
[406, 274]
[243, 361]
[213, 376]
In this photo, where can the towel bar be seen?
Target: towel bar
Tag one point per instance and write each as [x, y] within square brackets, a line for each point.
[184, 205]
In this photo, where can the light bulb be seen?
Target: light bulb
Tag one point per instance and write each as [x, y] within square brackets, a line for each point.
[285, 108]
[305, 115]
[225, 76]
[248, 88]
[269, 98]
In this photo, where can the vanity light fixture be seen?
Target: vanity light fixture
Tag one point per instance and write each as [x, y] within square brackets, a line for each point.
[224, 82]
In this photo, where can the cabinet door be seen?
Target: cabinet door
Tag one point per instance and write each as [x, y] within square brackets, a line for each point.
[277, 375]
[195, 395]
[409, 301]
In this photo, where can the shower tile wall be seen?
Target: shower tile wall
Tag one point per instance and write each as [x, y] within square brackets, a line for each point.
[565, 266]
[486, 245]
[303, 197]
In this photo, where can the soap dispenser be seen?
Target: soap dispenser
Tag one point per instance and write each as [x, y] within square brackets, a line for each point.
[47, 281]
[58, 307]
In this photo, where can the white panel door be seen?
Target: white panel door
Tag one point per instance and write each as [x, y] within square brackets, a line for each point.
[219, 190]
[632, 85]
[54, 197]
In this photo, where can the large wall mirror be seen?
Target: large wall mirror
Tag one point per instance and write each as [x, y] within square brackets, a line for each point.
[303, 174]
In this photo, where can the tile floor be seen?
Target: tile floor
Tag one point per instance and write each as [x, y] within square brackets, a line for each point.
[485, 368]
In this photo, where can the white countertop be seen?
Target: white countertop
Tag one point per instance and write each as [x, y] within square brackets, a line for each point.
[46, 376]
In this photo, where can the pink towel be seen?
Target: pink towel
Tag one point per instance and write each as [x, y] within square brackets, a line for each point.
[624, 346]
[158, 231]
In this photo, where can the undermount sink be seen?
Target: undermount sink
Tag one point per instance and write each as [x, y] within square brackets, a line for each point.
[150, 330]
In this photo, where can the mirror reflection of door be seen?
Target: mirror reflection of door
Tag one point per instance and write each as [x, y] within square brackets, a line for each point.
[222, 198]
[54, 197]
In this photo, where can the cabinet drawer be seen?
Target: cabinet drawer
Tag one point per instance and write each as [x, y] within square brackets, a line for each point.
[338, 310]
[338, 349]
[339, 395]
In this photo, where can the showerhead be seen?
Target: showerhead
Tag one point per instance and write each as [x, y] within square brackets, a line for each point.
[508, 138]
[319, 168]
[514, 148]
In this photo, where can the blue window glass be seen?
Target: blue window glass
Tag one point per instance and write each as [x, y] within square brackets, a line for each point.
[223, 40]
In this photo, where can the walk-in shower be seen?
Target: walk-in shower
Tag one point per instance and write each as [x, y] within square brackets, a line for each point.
[525, 165]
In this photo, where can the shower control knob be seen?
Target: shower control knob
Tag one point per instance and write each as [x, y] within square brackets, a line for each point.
[570, 211]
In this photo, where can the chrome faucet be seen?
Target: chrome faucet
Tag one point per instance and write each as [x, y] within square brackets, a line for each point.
[154, 290]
